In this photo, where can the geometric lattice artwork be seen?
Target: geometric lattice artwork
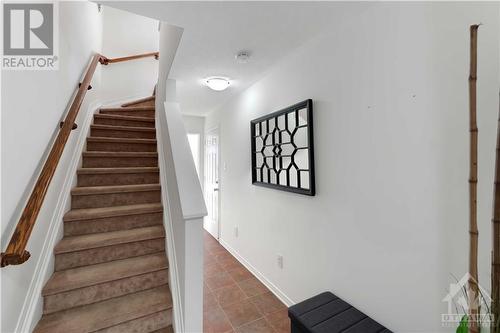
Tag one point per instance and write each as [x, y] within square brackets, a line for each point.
[283, 149]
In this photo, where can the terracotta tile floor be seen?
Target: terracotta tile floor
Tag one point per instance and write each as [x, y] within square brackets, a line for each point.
[234, 300]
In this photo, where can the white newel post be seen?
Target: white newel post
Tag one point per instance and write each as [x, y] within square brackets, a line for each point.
[193, 306]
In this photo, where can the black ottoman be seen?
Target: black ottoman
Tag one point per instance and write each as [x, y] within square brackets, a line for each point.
[326, 313]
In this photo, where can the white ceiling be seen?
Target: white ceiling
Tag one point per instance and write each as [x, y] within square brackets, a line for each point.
[215, 31]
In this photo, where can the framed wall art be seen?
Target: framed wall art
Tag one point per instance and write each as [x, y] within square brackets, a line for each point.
[283, 149]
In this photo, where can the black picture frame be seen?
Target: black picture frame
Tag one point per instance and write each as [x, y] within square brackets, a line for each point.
[268, 149]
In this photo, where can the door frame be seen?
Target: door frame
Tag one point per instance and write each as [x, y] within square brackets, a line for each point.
[208, 131]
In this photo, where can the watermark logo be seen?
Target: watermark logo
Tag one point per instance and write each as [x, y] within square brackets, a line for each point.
[458, 304]
[30, 36]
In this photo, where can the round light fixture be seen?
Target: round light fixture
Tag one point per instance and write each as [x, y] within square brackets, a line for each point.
[217, 83]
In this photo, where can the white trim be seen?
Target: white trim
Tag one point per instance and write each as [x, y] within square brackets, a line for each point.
[33, 301]
[193, 216]
[213, 128]
[177, 310]
[193, 114]
[271, 286]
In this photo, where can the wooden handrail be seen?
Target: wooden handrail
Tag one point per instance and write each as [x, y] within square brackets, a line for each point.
[138, 56]
[16, 253]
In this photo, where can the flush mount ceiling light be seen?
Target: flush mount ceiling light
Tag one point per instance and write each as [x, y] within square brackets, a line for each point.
[217, 83]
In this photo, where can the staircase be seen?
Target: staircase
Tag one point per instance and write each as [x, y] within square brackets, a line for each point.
[111, 270]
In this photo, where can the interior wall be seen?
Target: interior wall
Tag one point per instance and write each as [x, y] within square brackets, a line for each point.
[33, 104]
[126, 34]
[389, 223]
[196, 125]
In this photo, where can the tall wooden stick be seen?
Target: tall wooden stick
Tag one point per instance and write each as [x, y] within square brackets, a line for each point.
[473, 291]
[495, 253]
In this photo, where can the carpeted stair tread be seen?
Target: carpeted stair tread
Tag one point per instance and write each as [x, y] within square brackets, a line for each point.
[124, 117]
[100, 273]
[98, 142]
[120, 140]
[92, 241]
[169, 329]
[100, 315]
[117, 129]
[102, 212]
[138, 101]
[111, 176]
[107, 159]
[92, 171]
[130, 108]
[119, 154]
[89, 190]
[147, 324]
[123, 128]
[122, 121]
[137, 111]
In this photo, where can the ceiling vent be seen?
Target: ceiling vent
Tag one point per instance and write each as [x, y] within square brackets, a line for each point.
[242, 57]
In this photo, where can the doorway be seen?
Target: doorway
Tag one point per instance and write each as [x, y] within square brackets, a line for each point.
[212, 189]
[194, 144]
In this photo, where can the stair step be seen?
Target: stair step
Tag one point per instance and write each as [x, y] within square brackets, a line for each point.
[85, 242]
[118, 195]
[121, 144]
[122, 131]
[130, 108]
[104, 159]
[168, 329]
[115, 218]
[139, 101]
[113, 189]
[100, 273]
[118, 176]
[122, 310]
[120, 120]
[144, 324]
[103, 212]
[95, 283]
[82, 250]
[140, 111]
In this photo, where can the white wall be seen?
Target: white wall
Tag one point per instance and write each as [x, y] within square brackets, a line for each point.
[33, 103]
[389, 222]
[196, 125]
[126, 34]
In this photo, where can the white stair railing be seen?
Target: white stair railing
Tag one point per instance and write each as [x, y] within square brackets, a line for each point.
[182, 196]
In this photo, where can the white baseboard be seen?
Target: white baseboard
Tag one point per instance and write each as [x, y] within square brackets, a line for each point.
[271, 286]
[33, 303]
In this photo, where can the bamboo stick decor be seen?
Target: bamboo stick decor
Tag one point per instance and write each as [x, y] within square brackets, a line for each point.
[473, 291]
[495, 253]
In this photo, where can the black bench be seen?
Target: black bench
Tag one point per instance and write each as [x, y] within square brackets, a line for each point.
[326, 313]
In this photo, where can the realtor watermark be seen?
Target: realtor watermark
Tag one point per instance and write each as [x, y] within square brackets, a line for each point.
[458, 304]
[30, 35]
